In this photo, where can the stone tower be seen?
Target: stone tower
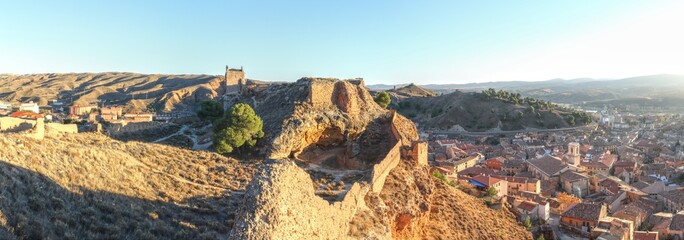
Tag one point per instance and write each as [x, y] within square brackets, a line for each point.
[234, 80]
[573, 155]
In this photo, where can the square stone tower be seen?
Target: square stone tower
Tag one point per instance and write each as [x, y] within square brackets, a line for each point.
[573, 155]
[234, 80]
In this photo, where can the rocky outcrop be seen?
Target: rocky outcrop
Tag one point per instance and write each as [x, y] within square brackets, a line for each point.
[330, 109]
[328, 127]
[281, 205]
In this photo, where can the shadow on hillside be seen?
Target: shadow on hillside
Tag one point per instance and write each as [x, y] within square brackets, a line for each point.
[32, 206]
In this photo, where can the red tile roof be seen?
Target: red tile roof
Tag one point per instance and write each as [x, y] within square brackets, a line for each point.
[527, 206]
[639, 235]
[31, 115]
[585, 211]
[486, 180]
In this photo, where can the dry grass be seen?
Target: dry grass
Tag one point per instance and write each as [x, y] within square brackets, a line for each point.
[88, 186]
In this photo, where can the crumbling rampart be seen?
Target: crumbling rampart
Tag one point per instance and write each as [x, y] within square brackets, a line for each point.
[12, 124]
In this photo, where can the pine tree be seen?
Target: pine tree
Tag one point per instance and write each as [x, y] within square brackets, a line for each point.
[240, 126]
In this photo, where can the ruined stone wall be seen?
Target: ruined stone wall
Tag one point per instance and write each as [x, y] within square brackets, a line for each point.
[419, 152]
[234, 77]
[321, 92]
[124, 127]
[280, 204]
[11, 124]
[62, 128]
[38, 132]
[382, 168]
[391, 160]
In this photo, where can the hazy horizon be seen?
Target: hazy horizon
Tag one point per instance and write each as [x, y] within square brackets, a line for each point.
[385, 43]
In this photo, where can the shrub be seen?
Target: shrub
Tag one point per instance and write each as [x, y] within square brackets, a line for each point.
[210, 110]
[383, 99]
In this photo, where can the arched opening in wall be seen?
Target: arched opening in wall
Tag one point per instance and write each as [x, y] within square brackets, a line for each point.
[336, 159]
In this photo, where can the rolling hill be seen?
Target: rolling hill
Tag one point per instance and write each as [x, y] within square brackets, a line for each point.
[134, 91]
[477, 112]
[577, 91]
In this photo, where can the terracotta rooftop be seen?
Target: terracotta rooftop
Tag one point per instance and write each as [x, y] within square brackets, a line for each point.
[677, 222]
[473, 171]
[611, 186]
[585, 211]
[676, 195]
[549, 165]
[572, 176]
[486, 180]
[640, 235]
[516, 179]
[640, 185]
[513, 164]
[26, 115]
[527, 206]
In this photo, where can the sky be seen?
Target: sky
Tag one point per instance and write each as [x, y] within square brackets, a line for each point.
[387, 42]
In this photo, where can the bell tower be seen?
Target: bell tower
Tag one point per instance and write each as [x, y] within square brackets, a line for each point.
[573, 155]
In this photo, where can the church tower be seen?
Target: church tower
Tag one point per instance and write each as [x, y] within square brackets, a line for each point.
[573, 155]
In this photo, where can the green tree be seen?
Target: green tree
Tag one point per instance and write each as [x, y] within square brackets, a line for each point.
[541, 237]
[492, 192]
[239, 126]
[571, 120]
[528, 222]
[383, 99]
[210, 110]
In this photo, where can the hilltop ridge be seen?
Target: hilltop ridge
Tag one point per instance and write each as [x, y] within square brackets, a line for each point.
[335, 165]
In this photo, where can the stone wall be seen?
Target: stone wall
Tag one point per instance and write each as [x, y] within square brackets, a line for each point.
[62, 128]
[38, 132]
[234, 79]
[321, 91]
[125, 127]
[11, 124]
[419, 152]
[382, 168]
[280, 204]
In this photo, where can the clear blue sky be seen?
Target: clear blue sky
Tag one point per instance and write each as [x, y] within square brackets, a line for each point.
[383, 41]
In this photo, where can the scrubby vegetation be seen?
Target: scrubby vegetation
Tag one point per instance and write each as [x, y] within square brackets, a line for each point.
[210, 110]
[572, 116]
[383, 99]
[489, 110]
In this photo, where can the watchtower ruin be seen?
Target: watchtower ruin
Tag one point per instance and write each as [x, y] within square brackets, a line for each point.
[234, 80]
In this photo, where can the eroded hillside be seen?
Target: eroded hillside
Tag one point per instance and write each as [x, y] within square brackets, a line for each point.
[88, 186]
[134, 91]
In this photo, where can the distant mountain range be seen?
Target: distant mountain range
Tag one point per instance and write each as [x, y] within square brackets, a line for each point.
[583, 91]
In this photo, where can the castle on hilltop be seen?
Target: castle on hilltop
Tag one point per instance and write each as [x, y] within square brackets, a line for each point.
[234, 80]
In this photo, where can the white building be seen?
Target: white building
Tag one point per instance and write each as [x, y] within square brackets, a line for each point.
[5, 106]
[29, 107]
